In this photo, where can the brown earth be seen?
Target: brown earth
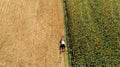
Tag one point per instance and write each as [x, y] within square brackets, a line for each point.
[30, 31]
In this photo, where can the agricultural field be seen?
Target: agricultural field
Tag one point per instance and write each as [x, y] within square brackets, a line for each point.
[30, 31]
[93, 32]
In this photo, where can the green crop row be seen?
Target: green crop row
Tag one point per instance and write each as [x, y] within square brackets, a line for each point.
[93, 32]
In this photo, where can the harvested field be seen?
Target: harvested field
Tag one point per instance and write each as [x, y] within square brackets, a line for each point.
[30, 31]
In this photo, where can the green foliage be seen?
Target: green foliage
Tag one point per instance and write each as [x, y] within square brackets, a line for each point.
[93, 32]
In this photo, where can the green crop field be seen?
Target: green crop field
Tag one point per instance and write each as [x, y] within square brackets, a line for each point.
[93, 32]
